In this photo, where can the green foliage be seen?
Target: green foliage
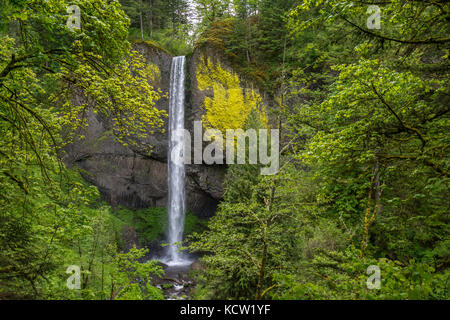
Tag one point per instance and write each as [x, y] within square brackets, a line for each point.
[177, 46]
[139, 276]
[365, 172]
[210, 11]
[151, 224]
[164, 41]
[367, 129]
[255, 38]
[164, 22]
[231, 105]
[342, 275]
[252, 236]
[49, 217]
[59, 228]
[377, 132]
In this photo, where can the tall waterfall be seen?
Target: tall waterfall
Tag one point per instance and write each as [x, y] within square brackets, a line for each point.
[176, 162]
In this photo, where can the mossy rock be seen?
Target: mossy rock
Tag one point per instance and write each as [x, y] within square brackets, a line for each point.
[151, 224]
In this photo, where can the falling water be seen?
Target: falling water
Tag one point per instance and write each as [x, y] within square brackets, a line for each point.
[176, 163]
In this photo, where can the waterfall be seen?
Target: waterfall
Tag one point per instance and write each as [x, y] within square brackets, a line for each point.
[176, 163]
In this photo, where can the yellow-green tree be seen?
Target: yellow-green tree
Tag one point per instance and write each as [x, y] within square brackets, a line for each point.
[231, 103]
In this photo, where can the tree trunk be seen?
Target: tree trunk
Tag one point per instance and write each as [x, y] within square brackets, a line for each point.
[103, 273]
[261, 272]
[150, 18]
[142, 26]
[369, 218]
[249, 39]
[262, 269]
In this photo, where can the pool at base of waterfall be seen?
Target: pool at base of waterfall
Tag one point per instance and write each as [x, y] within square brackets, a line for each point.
[181, 262]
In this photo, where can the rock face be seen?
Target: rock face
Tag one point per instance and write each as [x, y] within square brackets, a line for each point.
[132, 178]
[129, 177]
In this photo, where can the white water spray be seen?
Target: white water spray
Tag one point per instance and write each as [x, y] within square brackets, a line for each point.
[176, 163]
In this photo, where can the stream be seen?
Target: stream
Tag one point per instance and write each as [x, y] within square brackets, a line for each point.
[176, 283]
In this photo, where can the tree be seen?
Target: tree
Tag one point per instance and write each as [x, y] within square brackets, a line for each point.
[251, 238]
[210, 11]
[367, 115]
[160, 15]
[377, 129]
[136, 10]
[43, 64]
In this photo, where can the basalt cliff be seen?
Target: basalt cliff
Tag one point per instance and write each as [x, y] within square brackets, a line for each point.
[130, 177]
